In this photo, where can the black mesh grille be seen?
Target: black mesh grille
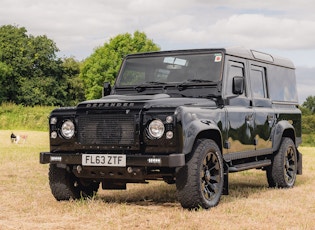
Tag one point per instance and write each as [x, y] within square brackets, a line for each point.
[106, 129]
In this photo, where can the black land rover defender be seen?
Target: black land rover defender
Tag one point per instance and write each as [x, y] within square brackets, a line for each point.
[188, 117]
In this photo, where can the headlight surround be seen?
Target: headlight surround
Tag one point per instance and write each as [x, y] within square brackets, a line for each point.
[67, 129]
[156, 129]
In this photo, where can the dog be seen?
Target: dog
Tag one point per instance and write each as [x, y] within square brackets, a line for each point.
[16, 138]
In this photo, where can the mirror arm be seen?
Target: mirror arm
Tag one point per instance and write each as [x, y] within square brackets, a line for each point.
[107, 89]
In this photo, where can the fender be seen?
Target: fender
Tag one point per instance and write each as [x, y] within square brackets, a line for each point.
[193, 129]
[278, 132]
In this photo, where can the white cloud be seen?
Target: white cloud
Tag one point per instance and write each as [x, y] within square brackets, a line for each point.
[283, 27]
[251, 30]
[78, 26]
[263, 31]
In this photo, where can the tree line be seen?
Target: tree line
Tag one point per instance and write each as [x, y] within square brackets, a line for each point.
[308, 111]
[32, 74]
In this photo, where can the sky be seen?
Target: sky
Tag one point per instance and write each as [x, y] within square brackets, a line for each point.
[282, 27]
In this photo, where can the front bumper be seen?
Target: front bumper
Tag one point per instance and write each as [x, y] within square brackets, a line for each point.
[170, 161]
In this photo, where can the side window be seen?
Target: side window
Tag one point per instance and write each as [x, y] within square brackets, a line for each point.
[283, 87]
[234, 69]
[258, 82]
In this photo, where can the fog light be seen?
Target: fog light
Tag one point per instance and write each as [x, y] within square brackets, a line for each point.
[55, 158]
[53, 135]
[169, 135]
[154, 160]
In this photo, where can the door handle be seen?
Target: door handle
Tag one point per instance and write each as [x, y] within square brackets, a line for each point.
[249, 117]
[270, 118]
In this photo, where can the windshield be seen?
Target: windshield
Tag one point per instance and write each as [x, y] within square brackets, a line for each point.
[171, 69]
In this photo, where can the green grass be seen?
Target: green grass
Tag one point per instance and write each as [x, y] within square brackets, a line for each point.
[27, 203]
[308, 140]
[18, 117]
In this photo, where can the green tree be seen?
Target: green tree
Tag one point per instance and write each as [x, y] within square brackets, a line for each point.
[5, 84]
[103, 65]
[309, 103]
[71, 71]
[13, 42]
[42, 82]
[31, 73]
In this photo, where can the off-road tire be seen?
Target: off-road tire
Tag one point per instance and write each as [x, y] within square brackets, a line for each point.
[65, 186]
[283, 170]
[200, 182]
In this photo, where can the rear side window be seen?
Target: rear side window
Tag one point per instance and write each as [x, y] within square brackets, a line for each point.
[282, 84]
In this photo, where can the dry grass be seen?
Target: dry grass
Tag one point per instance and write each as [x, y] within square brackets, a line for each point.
[26, 201]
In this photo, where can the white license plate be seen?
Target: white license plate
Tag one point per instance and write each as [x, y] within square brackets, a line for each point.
[113, 160]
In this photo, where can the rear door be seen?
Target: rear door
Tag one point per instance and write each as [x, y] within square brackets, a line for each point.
[262, 106]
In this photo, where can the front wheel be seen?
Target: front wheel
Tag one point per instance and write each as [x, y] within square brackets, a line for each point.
[282, 172]
[65, 186]
[200, 182]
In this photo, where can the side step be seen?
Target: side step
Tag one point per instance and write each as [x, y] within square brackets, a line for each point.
[250, 165]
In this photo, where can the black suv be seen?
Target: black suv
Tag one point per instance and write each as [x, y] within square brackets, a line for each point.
[188, 117]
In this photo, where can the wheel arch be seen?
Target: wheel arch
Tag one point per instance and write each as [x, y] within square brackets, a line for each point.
[201, 129]
[213, 134]
[282, 129]
[285, 129]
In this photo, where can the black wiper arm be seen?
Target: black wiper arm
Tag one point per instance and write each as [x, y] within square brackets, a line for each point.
[188, 82]
[143, 85]
[198, 80]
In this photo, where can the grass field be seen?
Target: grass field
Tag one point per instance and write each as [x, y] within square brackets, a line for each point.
[26, 201]
[24, 117]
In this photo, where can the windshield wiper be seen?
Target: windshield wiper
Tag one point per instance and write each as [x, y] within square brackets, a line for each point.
[143, 85]
[188, 82]
[197, 80]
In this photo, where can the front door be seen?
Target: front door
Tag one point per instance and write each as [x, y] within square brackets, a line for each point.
[240, 113]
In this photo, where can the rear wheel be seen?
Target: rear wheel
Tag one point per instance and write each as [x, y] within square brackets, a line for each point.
[65, 186]
[200, 182]
[282, 172]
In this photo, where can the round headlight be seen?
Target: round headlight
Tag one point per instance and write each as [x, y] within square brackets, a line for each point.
[156, 129]
[67, 129]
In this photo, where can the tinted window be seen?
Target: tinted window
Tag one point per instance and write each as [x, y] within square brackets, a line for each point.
[168, 68]
[258, 82]
[282, 84]
[234, 69]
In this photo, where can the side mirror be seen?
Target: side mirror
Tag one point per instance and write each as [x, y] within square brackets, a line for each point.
[238, 85]
[106, 89]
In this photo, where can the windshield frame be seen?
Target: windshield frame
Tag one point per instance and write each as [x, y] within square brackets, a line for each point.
[173, 62]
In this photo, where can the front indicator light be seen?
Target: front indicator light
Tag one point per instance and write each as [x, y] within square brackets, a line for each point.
[156, 129]
[169, 119]
[53, 120]
[67, 129]
[53, 135]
